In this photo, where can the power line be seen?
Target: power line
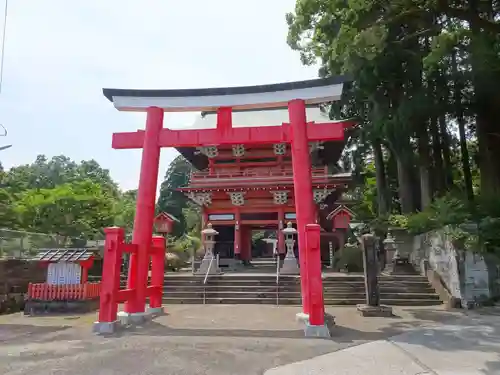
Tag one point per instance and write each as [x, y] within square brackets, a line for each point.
[3, 43]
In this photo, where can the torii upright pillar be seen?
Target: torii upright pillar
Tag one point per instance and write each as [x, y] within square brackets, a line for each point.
[302, 180]
[145, 212]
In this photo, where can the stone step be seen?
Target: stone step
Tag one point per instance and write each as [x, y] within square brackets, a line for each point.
[258, 294]
[261, 278]
[295, 301]
[294, 288]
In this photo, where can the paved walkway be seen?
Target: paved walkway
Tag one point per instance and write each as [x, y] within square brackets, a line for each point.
[246, 340]
[470, 345]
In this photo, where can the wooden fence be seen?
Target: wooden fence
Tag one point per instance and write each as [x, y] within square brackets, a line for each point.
[49, 292]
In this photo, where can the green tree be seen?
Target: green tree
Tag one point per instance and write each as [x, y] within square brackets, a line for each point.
[171, 200]
[77, 210]
[125, 210]
[419, 68]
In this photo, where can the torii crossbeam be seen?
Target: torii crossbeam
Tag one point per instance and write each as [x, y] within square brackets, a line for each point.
[297, 132]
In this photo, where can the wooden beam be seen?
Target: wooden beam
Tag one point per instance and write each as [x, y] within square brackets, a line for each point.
[333, 131]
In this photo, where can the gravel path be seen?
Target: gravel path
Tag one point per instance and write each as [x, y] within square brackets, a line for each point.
[211, 339]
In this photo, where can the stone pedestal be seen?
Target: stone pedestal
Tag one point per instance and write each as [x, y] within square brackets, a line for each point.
[374, 311]
[289, 266]
[133, 318]
[205, 266]
[155, 311]
[317, 331]
[105, 328]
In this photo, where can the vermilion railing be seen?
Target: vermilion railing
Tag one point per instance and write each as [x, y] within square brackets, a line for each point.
[49, 292]
[251, 172]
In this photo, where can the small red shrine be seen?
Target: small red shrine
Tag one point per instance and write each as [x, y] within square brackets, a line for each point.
[67, 281]
[164, 223]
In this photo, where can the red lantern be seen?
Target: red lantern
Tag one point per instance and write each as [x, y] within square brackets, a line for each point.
[163, 223]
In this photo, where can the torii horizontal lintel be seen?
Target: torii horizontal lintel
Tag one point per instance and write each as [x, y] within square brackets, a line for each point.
[332, 131]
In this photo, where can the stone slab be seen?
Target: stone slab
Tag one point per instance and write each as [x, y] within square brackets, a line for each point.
[40, 307]
[103, 328]
[155, 311]
[133, 318]
[375, 311]
[317, 331]
[375, 358]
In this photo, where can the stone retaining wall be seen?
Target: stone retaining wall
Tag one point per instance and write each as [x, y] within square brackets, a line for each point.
[468, 277]
[15, 275]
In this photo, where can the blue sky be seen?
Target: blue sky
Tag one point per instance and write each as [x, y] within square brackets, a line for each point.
[59, 55]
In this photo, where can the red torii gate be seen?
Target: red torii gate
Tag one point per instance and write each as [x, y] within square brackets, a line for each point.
[298, 133]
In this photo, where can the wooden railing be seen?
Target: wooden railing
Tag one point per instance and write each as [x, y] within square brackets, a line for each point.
[254, 172]
[50, 292]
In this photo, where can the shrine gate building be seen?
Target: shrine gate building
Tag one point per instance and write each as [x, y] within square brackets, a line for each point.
[242, 188]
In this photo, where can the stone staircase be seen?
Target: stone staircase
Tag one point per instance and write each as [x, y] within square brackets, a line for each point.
[407, 290]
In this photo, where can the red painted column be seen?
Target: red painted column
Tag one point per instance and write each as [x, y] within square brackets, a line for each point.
[316, 303]
[157, 271]
[110, 283]
[246, 243]
[237, 234]
[280, 236]
[84, 276]
[304, 203]
[204, 222]
[145, 209]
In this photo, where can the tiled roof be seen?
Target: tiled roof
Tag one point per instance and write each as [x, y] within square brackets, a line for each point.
[64, 254]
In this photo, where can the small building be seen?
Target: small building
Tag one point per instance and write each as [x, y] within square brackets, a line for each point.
[66, 288]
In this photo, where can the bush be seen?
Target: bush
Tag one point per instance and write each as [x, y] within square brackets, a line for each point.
[173, 262]
[350, 257]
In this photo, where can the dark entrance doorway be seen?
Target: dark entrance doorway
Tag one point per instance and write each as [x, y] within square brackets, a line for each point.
[224, 245]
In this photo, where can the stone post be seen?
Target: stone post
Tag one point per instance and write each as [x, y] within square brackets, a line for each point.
[289, 266]
[370, 264]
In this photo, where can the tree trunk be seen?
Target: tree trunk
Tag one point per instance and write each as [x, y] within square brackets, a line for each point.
[381, 180]
[487, 103]
[459, 113]
[424, 166]
[438, 175]
[404, 184]
[445, 144]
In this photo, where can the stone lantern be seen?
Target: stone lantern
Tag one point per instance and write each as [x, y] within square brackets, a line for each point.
[289, 266]
[391, 253]
[209, 263]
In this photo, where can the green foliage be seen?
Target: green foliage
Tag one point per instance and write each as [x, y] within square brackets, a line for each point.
[67, 199]
[173, 201]
[173, 262]
[349, 258]
[69, 210]
[125, 210]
